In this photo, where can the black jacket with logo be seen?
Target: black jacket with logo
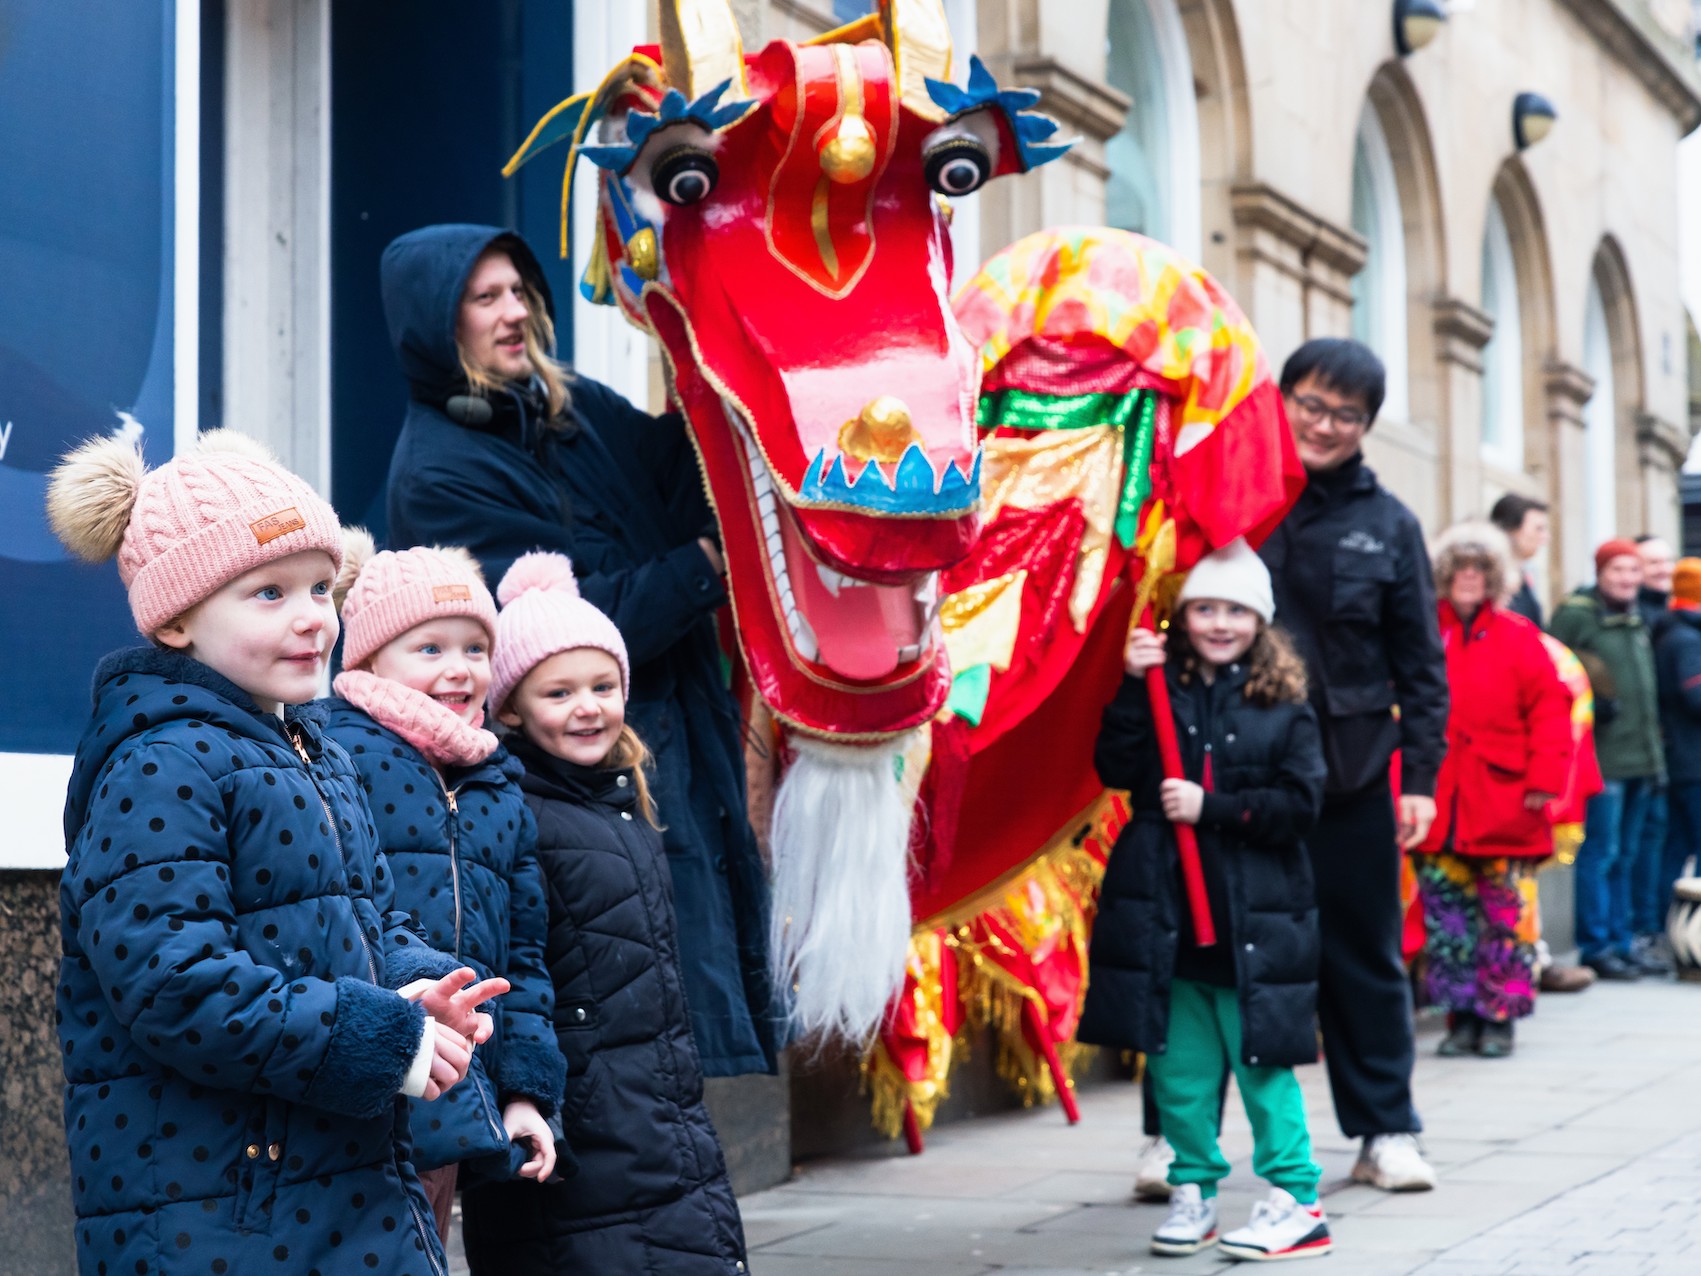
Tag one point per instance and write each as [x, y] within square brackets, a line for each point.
[1353, 588]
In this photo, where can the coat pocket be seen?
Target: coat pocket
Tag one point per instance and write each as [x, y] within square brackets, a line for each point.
[1359, 582]
[258, 1159]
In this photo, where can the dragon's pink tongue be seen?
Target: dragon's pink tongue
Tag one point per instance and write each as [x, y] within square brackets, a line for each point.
[854, 635]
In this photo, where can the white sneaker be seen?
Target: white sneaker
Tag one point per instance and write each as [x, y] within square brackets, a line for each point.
[1191, 1225]
[1280, 1228]
[1394, 1163]
[1151, 1172]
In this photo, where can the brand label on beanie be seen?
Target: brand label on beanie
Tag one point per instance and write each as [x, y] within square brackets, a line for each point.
[451, 594]
[273, 526]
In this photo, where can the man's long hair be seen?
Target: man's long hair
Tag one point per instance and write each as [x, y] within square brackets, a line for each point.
[538, 333]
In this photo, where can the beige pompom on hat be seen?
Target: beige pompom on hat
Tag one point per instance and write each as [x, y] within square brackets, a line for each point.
[181, 530]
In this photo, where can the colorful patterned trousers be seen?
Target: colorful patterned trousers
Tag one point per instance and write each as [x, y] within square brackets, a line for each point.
[1482, 927]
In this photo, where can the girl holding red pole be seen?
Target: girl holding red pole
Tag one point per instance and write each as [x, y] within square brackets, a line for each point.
[1252, 783]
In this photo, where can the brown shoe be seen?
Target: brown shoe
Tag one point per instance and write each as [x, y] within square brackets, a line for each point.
[1566, 978]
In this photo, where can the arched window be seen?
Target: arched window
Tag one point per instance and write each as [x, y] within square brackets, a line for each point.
[1600, 487]
[1503, 356]
[1154, 160]
[1379, 289]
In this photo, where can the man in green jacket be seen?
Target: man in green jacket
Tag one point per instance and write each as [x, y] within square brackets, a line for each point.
[1603, 625]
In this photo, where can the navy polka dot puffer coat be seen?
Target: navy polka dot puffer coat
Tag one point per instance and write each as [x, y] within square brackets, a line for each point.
[462, 852]
[233, 1052]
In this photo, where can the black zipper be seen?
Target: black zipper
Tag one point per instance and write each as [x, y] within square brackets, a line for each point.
[453, 810]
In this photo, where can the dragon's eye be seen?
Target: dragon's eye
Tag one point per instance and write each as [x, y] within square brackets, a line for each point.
[685, 175]
[957, 165]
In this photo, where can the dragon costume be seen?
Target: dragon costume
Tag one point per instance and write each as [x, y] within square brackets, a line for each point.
[936, 518]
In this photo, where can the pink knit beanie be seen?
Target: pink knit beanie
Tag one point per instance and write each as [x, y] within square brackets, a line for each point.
[185, 528]
[542, 614]
[382, 596]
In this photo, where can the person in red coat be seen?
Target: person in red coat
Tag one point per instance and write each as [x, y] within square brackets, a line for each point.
[1509, 747]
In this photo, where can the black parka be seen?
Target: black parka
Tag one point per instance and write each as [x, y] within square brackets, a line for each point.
[652, 1194]
[1353, 589]
[1267, 772]
[619, 492]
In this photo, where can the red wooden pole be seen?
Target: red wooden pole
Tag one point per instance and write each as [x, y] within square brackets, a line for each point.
[912, 1130]
[1186, 839]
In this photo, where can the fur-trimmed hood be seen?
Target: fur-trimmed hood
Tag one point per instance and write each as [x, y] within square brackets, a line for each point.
[1475, 540]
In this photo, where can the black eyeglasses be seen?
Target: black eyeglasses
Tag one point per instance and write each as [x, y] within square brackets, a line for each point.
[1315, 409]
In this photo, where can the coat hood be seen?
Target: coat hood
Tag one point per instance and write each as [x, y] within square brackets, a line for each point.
[141, 688]
[422, 276]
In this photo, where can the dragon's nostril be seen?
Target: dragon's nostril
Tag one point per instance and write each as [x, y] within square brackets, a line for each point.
[881, 432]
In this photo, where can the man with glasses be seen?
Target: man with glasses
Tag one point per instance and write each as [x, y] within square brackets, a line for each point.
[1353, 588]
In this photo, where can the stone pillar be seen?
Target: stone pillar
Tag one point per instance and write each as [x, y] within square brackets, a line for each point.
[277, 265]
[1461, 332]
[1660, 451]
[1293, 269]
[1566, 388]
[1024, 45]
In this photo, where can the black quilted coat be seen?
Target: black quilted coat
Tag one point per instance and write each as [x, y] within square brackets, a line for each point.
[1267, 771]
[652, 1194]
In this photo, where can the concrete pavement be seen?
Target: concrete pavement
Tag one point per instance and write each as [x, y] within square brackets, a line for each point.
[1581, 1155]
[1578, 1156]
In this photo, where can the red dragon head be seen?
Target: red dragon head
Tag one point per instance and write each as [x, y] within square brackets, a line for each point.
[776, 222]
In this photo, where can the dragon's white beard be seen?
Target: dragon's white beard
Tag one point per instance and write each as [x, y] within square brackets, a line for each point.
[841, 923]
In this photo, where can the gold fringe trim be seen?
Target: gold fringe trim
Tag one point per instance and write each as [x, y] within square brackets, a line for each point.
[1046, 900]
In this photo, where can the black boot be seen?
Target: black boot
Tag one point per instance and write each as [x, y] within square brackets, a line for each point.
[1496, 1042]
[1463, 1032]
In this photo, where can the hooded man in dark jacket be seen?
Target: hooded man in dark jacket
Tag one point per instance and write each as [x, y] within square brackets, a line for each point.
[503, 452]
[1353, 588]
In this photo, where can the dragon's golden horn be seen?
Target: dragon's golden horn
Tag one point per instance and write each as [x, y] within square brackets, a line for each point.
[701, 47]
[920, 39]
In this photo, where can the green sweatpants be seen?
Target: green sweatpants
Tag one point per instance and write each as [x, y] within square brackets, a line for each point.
[1187, 1078]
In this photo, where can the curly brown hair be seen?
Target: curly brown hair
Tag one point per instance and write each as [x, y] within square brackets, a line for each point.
[1275, 673]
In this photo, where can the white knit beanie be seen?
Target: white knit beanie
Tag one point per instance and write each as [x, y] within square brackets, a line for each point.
[1233, 574]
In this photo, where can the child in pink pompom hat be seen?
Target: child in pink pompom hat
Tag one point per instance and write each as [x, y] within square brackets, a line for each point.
[542, 614]
[634, 1111]
[409, 708]
[231, 958]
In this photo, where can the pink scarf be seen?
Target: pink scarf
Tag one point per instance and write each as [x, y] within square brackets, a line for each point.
[434, 729]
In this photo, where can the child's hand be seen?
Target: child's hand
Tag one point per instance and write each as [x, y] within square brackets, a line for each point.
[451, 1057]
[453, 1002]
[1145, 651]
[1182, 801]
[525, 1124]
